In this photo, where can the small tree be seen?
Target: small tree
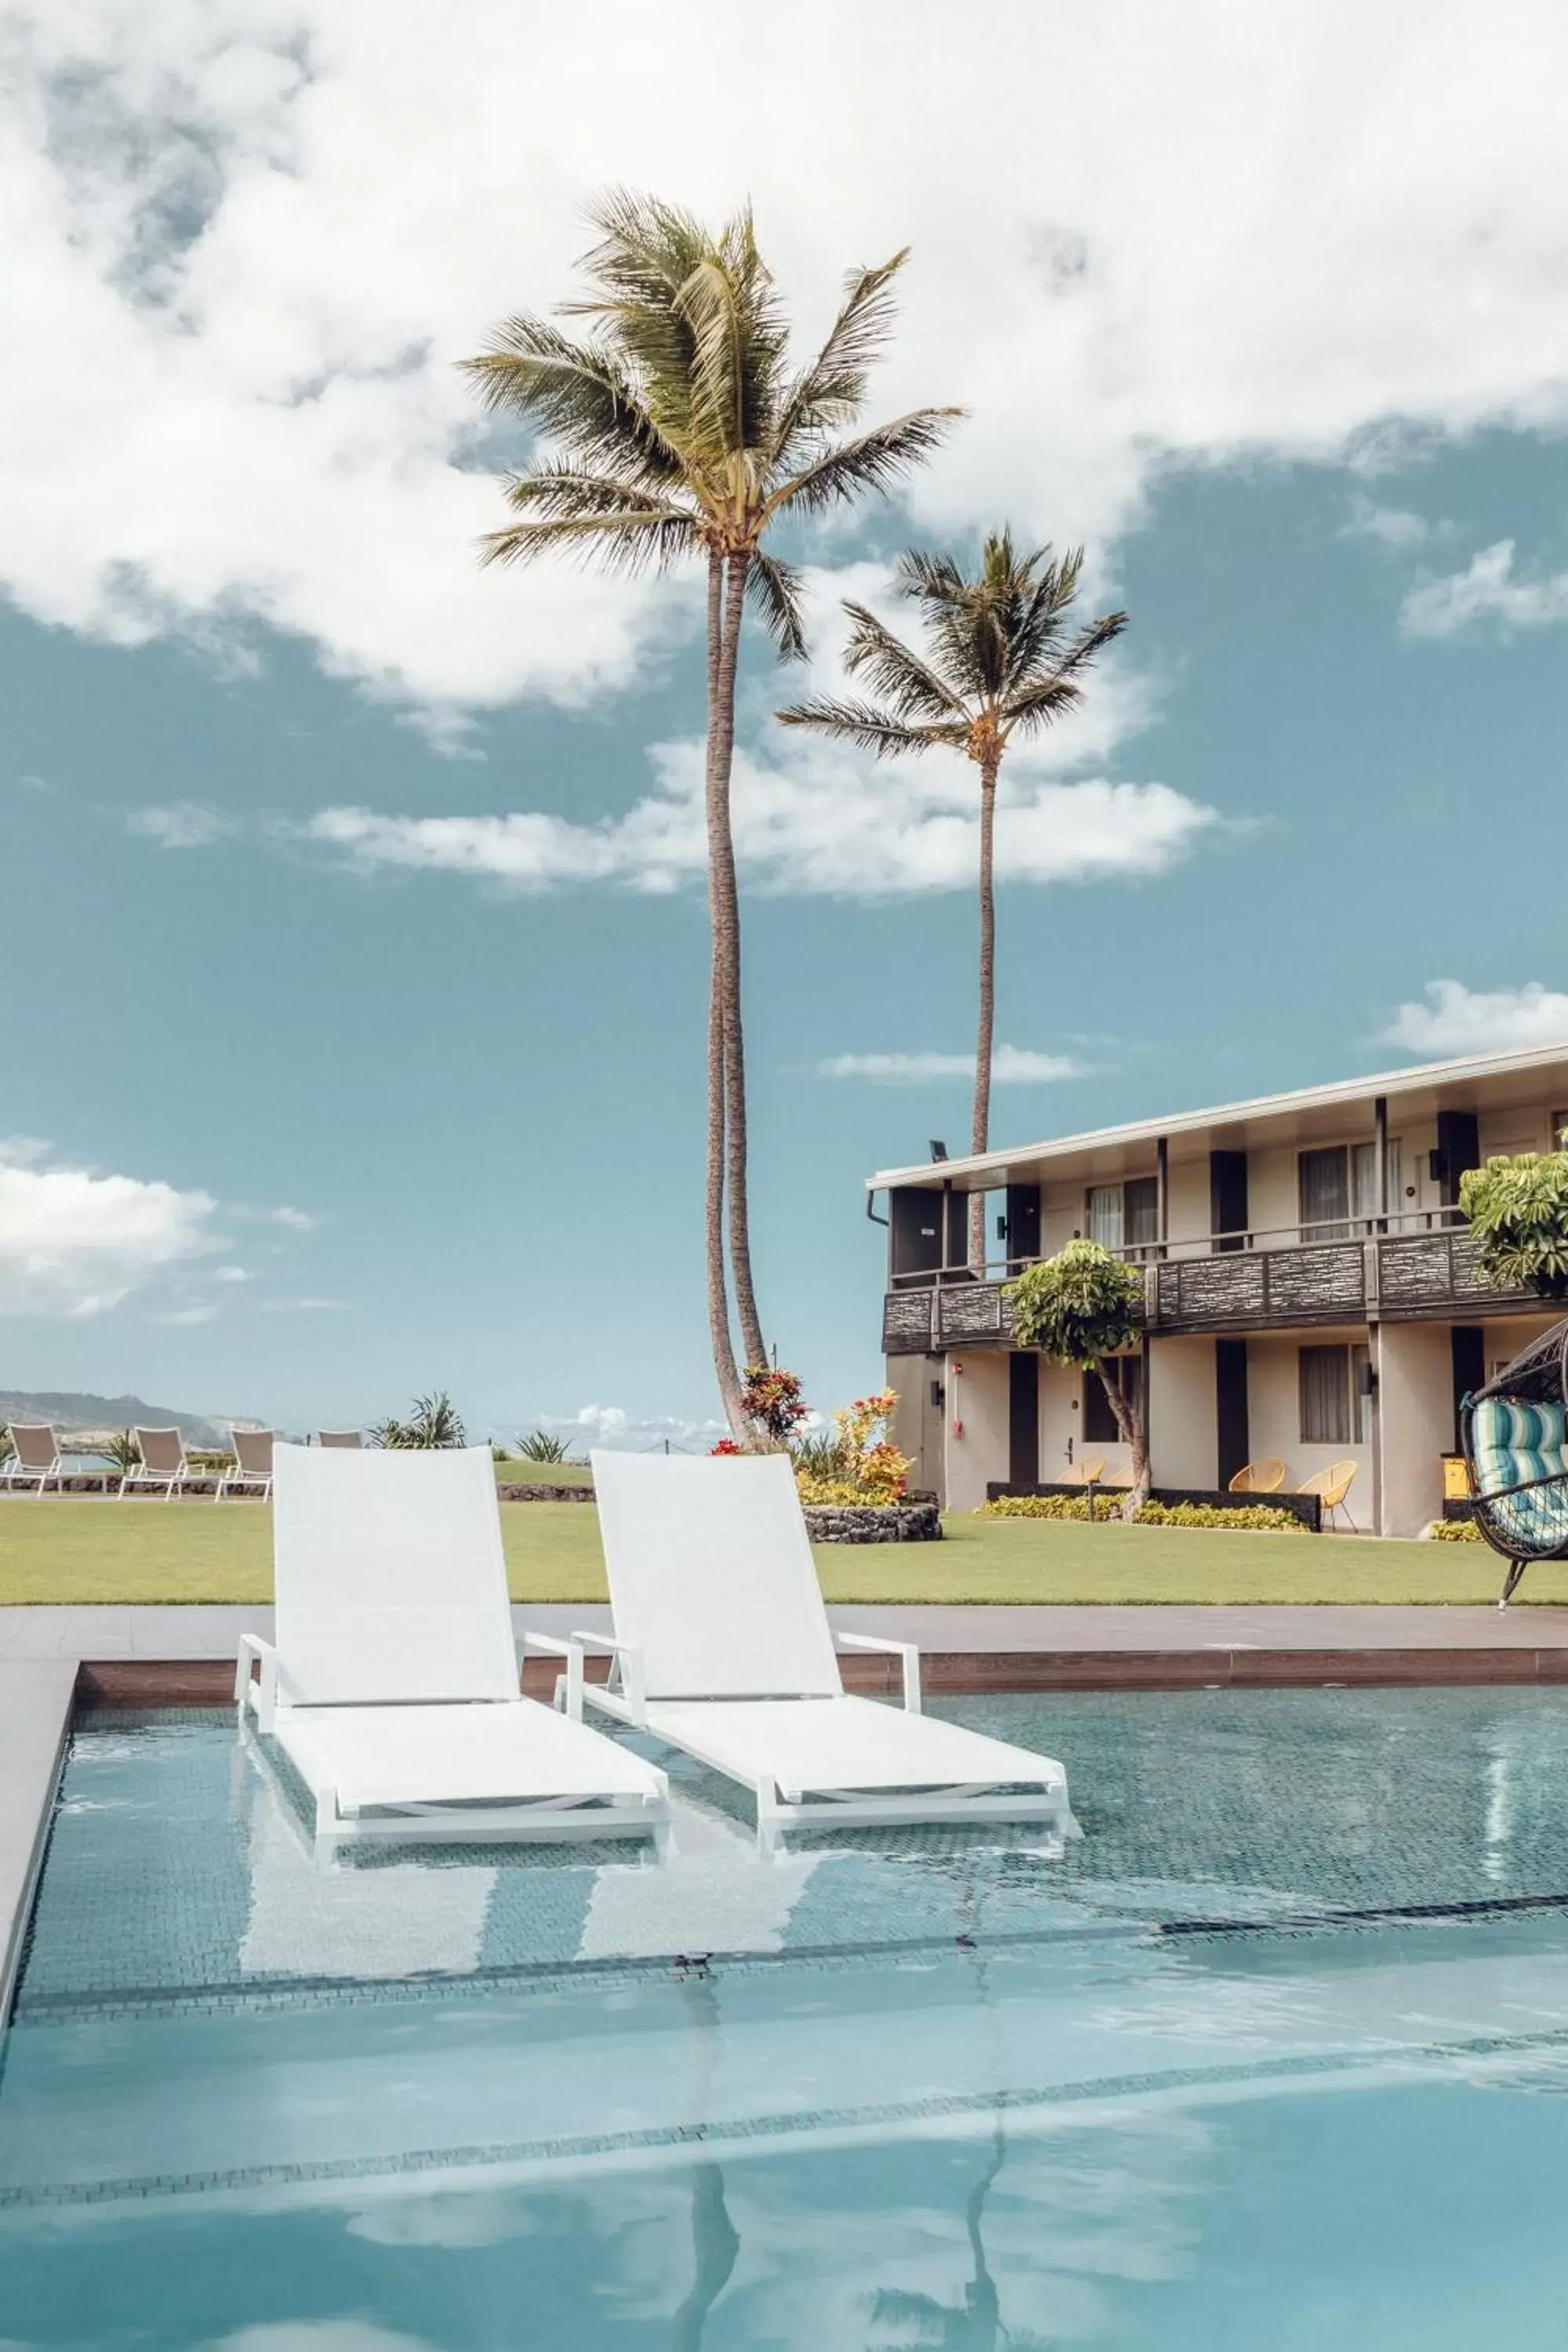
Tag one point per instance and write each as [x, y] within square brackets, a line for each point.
[1083, 1306]
[1518, 1209]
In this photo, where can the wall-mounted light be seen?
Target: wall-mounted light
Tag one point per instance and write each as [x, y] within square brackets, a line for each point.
[938, 1150]
[938, 1396]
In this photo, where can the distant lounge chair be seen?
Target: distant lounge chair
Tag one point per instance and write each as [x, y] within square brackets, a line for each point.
[354, 1438]
[34, 1457]
[1331, 1486]
[393, 1687]
[1088, 1473]
[722, 1648]
[1264, 1477]
[162, 1461]
[252, 1463]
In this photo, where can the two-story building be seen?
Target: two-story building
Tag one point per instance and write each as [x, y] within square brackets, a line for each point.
[1311, 1292]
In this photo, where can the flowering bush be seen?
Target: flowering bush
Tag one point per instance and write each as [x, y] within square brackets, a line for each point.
[772, 1402]
[866, 1465]
[1262, 1517]
[727, 1445]
[1456, 1531]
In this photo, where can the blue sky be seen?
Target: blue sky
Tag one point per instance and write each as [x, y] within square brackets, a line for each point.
[355, 894]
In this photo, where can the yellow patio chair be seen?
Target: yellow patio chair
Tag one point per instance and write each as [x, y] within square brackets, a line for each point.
[1331, 1486]
[1265, 1478]
[1085, 1473]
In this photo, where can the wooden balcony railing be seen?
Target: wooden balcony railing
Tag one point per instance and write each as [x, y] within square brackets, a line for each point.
[1388, 1277]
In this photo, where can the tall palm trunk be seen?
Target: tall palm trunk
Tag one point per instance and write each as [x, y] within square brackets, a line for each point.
[753, 1348]
[980, 1128]
[717, 804]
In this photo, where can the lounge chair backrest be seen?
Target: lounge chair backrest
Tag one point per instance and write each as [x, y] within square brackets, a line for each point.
[163, 1451]
[349, 1439]
[253, 1452]
[711, 1576]
[389, 1579]
[35, 1447]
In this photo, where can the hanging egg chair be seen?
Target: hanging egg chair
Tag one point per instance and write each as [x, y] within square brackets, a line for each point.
[1512, 1433]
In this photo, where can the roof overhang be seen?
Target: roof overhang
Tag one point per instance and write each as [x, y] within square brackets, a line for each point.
[1310, 1114]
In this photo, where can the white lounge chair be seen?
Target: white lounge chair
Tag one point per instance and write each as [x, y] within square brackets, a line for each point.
[393, 1686]
[252, 1463]
[722, 1647]
[162, 1461]
[350, 1440]
[34, 1456]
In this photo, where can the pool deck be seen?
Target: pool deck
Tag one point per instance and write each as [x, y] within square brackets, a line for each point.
[966, 1648]
[36, 1701]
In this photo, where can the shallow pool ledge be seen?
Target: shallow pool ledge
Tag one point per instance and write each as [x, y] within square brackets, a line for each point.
[35, 1697]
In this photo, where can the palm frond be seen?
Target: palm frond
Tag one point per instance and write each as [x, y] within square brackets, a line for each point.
[774, 587]
[936, 579]
[912, 689]
[580, 395]
[826, 394]
[873, 461]
[566, 490]
[622, 542]
[1034, 706]
[869, 728]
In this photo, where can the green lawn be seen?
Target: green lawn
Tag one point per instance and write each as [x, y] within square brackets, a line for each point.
[515, 1472]
[74, 1548]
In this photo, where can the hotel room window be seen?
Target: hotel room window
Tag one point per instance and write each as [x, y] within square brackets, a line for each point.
[1124, 1216]
[1325, 1396]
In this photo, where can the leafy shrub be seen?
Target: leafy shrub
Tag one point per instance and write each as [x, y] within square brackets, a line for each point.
[1262, 1517]
[819, 1457]
[772, 1401]
[1456, 1531]
[1518, 1209]
[122, 1448]
[538, 1445]
[434, 1424]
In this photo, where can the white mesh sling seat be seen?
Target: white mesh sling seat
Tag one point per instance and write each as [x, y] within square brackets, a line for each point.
[393, 1687]
[722, 1648]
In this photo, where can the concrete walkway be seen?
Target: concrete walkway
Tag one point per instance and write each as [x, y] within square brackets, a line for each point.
[34, 1714]
[212, 1632]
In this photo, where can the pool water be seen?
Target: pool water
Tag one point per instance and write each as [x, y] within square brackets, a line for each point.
[1274, 2059]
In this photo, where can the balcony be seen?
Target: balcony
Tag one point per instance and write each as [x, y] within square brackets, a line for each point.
[1234, 1283]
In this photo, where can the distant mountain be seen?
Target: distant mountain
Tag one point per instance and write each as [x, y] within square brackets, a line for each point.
[72, 1410]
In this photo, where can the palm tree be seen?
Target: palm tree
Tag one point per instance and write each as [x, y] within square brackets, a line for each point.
[999, 662]
[676, 426]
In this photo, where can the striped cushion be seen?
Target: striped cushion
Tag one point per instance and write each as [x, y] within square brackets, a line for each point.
[1515, 1442]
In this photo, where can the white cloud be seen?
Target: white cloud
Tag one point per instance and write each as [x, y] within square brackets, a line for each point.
[1485, 590]
[303, 1306]
[182, 824]
[238, 282]
[1398, 528]
[296, 1221]
[74, 1243]
[612, 1426]
[813, 820]
[1010, 1066]
[186, 1318]
[320, 2335]
[229, 1274]
[1456, 1021]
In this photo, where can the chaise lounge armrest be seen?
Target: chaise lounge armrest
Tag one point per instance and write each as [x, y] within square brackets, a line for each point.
[255, 1648]
[574, 1649]
[907, 1651]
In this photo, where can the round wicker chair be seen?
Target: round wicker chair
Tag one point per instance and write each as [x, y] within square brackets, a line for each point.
[1512, 1433]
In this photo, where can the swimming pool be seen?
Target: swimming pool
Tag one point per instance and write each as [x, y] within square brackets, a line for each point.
[1266, 2061]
